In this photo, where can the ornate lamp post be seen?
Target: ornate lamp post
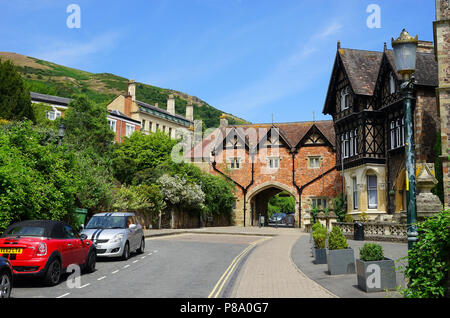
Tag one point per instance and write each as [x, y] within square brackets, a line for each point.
[61, 132]
[405, 49]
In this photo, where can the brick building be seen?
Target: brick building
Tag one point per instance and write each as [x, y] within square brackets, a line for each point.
[151, 117]
[266, 159]
[442, 52]
[122, 125]
[368, 114]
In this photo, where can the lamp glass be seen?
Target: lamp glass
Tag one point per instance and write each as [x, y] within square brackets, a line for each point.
[62, 130]
[405, 57]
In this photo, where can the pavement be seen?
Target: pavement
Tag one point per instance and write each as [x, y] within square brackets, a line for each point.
[345, 286]
[282, 266]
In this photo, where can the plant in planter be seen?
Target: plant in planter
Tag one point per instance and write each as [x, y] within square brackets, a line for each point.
[375, 272]
[320, 251]
[341, 258]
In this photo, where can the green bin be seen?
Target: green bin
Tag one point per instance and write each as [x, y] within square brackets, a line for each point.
[80, 216]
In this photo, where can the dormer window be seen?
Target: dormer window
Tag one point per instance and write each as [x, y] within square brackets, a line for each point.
[345, 98]
[392, 85]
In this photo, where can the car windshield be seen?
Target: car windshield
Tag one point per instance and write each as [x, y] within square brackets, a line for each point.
[107, 222]
[25, 231]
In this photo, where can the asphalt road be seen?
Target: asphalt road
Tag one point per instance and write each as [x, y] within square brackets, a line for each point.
[181, 266]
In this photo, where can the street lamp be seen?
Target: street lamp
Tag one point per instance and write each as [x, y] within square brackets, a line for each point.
[405, 50]
[61, 132]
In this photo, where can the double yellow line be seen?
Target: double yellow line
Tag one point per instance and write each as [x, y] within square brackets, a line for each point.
[224, 278]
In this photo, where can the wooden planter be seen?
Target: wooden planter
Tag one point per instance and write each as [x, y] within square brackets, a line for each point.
[341, 261]
[376, 276]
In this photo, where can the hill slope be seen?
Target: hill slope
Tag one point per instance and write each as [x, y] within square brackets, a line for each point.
[53, 79]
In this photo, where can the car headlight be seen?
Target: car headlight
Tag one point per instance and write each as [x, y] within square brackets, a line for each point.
[117, 238]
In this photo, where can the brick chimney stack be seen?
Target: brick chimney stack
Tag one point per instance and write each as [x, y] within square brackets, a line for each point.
[131, 90]
[223, 121]
[171, 104]
[190, 111]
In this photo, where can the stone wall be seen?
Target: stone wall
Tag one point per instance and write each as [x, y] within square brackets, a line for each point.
[377, 231]
[442, 39]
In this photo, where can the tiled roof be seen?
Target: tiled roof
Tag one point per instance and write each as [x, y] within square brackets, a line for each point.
[50, 99]
[119, 114]
[293, 133]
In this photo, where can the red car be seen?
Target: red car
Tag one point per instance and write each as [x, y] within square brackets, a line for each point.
[45, 249]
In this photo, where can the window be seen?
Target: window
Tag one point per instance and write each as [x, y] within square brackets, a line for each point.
[355, 194]
[314, 162]
[355, 142]
[274, 163]
[143, 125]
[345, 101]
[53, 114]
[170, 132]
[345, 145]
[320, 203]
[112, 124]
[396, 128]
[392, 86]
[129, 130]
[372, 192]
[235, 163]
[150, 126]
[157, 127]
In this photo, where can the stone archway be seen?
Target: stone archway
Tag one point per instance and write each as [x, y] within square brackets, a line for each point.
[258, 199]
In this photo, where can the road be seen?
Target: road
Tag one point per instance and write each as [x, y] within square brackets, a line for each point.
[179, 266]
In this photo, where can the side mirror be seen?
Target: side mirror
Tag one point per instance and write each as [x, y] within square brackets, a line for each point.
[132, 226]
[83, 236]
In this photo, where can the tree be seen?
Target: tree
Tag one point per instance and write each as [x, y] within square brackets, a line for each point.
[87, 125]
[15, 100]
[141, 154]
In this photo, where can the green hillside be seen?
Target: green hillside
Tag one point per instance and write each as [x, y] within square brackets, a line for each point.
[53, 79]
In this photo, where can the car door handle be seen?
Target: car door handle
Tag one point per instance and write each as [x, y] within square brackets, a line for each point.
[70, 245]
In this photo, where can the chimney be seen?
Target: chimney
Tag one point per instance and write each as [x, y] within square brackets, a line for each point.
[190, 111]
[171, 104]
[131, 90]
[156, 104]
[425, 47]
[128, 105]
[223, 121]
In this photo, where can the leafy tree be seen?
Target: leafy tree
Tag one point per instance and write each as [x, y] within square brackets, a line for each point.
[87, 126]
[141, 153]
[15, 100]
[281, 203]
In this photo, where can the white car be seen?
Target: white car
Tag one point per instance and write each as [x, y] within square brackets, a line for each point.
[115, 234]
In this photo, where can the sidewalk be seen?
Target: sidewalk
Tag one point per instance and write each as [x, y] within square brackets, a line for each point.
[229, 230]
[269, 272]
[346, 285]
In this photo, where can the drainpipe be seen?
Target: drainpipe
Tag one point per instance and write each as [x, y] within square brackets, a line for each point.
[300, 189]
[244, 189]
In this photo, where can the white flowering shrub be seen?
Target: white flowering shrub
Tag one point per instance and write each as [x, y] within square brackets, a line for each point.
[179, 193]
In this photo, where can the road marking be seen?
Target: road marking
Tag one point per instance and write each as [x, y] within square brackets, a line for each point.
[226, 275]
[142, 257]
[101, 278]
[126, 266]
[85, 285]
[155, 251]
[135, 261]
[115, 271]
[149, 254]
[63, 295]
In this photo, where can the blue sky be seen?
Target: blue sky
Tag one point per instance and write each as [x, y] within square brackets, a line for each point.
[250, 58]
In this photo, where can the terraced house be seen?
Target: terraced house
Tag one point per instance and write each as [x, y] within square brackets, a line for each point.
[151, 117]
[367, 108]
[263, 160]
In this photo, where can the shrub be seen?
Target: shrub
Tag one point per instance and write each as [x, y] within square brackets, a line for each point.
[337, 240]
[319, 239]
[428, 260]
[371, 252]
[348, 218]
[316, 226]
[363, 217]
[319, 235]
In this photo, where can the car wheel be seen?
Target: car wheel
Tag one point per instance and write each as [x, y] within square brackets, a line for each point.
[53, 274]
[90, 262]
[142, 247]
[5, 285]
[126, 252]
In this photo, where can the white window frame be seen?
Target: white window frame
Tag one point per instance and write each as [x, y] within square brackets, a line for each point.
[274, 162]
[112, 124]
[129, 129]
[344, 99]
[355, 194]
[314, 162]
[235, 163]
[392, 85]
[53, 114]
[372, 189]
